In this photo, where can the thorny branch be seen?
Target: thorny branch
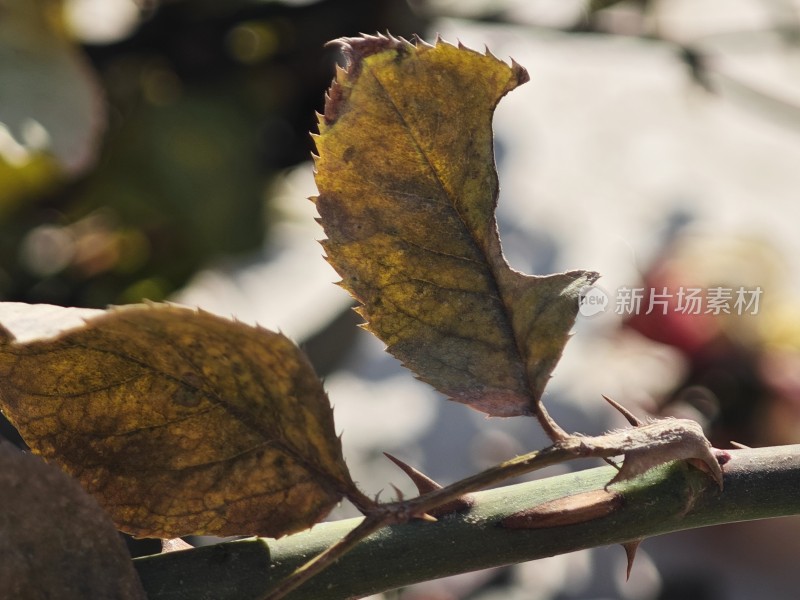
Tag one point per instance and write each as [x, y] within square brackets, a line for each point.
[643, 447]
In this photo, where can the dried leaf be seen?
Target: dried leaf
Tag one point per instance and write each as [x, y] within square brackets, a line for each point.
[180, 422]
[55, 541]
[407, 194]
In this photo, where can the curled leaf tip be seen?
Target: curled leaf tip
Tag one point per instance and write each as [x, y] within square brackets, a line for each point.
[357, 48]
[590, 276]
[523, 77]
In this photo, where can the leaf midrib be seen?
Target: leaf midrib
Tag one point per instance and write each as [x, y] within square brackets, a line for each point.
[493, 280]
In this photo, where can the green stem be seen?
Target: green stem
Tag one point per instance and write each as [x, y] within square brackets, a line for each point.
[759, 483]
[322, 561]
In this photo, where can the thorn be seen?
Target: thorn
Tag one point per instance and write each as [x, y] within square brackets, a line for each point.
[424, 483]
[740, 446]
[397, 491]
[407, 43]
[420, 42]
[427, 517]
[629, 416]
[612, 463]
[723, 458]
[630, 553]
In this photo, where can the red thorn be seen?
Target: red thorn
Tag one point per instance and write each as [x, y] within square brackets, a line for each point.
[630, 553]
[629, 416]
[398, 492]
[424, 483]
[723, 458]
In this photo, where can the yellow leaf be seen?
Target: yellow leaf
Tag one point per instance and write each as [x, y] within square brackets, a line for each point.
[55, 541]
[180, 422]
[407, 194]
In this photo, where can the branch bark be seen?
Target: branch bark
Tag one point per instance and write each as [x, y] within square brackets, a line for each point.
[759, 483]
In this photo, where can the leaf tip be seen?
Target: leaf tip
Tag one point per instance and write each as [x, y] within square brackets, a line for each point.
[521, 74]
[589, 277]
[356, 49]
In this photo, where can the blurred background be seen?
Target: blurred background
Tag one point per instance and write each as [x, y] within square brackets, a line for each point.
[160, 150]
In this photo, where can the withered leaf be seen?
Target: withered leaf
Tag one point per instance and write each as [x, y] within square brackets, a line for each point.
[55, 541]
[180, 422]
[407, 195]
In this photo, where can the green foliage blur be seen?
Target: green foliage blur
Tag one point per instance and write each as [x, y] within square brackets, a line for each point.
[138, 139]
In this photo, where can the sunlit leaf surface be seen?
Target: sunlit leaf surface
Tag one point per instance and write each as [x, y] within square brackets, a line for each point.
[407, 195]
[179, 421]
